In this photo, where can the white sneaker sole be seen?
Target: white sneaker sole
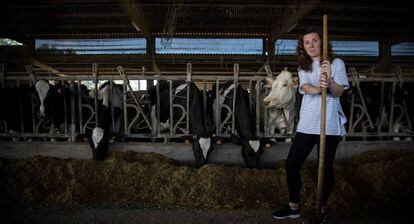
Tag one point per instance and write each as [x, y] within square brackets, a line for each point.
[289, 216]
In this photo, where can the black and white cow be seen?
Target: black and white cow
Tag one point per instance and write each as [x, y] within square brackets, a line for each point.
[244, 122]
[372, 104]
[105, 129]
[202, 144]
[280, 104]
[54, 103]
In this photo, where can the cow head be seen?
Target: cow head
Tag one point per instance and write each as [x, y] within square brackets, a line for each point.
[42, 89]
[282, 90]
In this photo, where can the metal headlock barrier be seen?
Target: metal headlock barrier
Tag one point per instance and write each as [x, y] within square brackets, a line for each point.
[136, 117]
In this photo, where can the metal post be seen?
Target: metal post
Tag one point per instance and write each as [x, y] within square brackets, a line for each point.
[218, 114]
[391, 120]
[158, 127]
[2, 74]
[172, 131]
[258, 103]
[95, 80]
[80, 108]
[129, 88]
[124, 88]
[111, 97]
[188, 80]
[73, 111]
[65, 106]
[236, 80]
[205, 101]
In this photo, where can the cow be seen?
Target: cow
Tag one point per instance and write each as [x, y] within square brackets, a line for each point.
[244, 134]
[280, 104]
[56, 104]
[105, 129]
[201, 138]
[371, 110]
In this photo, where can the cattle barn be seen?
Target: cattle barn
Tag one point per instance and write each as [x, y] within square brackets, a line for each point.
[68, 49]
[192, 106]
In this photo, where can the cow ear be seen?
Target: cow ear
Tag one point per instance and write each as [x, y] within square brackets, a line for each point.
[269, 82]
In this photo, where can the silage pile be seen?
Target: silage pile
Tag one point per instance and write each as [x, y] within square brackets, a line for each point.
[150, 178]
[384, 181]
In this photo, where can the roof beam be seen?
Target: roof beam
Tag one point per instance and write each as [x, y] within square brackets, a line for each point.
[45, 67]
[405, 34]
[303, 9]
[135, 14]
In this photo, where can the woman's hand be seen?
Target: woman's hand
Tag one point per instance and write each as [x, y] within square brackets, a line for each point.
[325, 77]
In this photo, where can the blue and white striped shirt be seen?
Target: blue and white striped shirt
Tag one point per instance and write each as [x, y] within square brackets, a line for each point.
[310, 110]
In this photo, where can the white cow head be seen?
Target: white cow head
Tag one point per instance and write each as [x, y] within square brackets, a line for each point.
[42, 88]
[282, 90]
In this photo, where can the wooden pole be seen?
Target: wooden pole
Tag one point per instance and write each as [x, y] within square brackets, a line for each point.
[321, 167]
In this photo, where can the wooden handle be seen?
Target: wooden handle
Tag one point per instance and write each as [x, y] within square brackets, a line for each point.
[321, 165]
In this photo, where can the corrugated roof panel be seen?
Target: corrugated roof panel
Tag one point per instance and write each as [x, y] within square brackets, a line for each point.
[209, 46]
[91, 46]
[340, 48]
[405, 49]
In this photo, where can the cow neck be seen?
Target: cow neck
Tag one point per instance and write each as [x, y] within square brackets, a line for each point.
[230, 88]
[180, 88]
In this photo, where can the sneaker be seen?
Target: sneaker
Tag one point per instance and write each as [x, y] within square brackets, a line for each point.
[286, 212]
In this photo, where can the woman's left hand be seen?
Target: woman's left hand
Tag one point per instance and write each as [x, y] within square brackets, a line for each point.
[325, 77]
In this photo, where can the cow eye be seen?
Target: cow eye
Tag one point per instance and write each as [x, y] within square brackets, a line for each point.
[284, 85]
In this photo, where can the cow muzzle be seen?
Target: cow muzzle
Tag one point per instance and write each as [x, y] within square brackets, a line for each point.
[266, 102]
[42, 111]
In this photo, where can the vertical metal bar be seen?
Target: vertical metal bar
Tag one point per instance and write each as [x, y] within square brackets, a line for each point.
[205, 101]
[258, 103]
[65, 106]
[391, 120]
[157, 89]
[124, 87]
[351, 117]
[2, 74]
[73, 111]
[111, 97]
[236, 79]
[172, 131]
[218, 114]
[95, 80]
[251, 97]
[188, 80]
[80, 108]
[381, 107]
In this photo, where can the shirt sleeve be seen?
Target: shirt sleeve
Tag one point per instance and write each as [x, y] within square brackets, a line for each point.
[303, 79]
[339, 73]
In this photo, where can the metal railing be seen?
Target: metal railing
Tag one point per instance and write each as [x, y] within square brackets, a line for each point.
[136, 120]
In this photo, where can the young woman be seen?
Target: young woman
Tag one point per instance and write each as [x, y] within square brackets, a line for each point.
[314, 75]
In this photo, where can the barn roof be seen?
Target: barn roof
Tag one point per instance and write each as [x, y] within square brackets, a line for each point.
[387, 22]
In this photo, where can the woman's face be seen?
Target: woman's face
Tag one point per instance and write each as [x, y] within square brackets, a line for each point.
[312, 45]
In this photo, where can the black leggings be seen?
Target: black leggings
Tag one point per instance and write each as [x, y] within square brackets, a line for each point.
[301, 147]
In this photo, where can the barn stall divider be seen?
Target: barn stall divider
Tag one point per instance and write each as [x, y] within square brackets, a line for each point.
[393, 123]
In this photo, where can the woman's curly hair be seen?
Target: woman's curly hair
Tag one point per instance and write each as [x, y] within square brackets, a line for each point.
[305, 62]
